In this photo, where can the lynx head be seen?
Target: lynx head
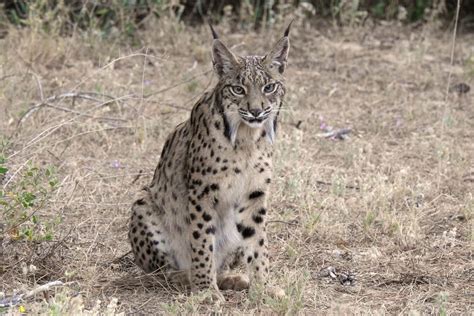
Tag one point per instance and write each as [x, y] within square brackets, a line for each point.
[252, 87]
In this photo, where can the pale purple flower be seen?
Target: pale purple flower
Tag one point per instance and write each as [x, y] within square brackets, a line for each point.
[322, 125]
[398, 122]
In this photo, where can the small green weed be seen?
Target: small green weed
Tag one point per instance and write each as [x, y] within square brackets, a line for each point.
[22, 195]
[369, 219]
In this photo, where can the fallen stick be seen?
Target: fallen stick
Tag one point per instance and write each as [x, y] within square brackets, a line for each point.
[60, 108]
[42, 288]
[336, 134]
[17, 299]
[79, 95]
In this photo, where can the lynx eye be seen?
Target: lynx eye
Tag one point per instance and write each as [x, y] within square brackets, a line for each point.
[269, 88]
[237, 90]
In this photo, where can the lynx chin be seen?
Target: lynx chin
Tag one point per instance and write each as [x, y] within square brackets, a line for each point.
[206, 206]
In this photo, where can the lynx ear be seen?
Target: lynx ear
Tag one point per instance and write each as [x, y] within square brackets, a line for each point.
[223, 59]
[278, 56]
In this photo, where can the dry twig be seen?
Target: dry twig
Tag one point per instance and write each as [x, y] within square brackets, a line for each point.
[79, 95]
[17, 299]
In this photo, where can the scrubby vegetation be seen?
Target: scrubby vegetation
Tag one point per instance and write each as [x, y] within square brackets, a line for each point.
[128, 15]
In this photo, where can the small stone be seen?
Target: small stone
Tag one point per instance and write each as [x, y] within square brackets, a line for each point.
[460, 88]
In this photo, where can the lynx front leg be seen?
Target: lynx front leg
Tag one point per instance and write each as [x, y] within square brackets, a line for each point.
[251, 226]
[202, 240]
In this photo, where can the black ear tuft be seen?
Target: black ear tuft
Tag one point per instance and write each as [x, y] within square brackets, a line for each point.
[287, 31]
[214, 33]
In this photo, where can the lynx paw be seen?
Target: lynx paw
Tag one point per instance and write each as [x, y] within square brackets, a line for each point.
[236, 282]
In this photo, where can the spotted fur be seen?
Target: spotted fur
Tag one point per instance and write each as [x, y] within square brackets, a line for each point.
[208, 198]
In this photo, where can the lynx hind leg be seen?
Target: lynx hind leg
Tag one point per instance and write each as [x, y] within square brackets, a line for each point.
[147, 238]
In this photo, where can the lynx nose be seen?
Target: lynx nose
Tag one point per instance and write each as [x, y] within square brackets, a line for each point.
[255, 112]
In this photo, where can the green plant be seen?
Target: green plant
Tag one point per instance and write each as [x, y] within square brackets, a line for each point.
[113, 16]
[351, 11]
[369, 219]
[125, 17]
[442, 300]
[20, 201]
[418, 8]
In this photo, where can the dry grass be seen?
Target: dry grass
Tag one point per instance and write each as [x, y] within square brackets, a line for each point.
[392, 205]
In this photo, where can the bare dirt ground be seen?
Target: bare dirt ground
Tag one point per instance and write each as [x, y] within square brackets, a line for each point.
[378, 223]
